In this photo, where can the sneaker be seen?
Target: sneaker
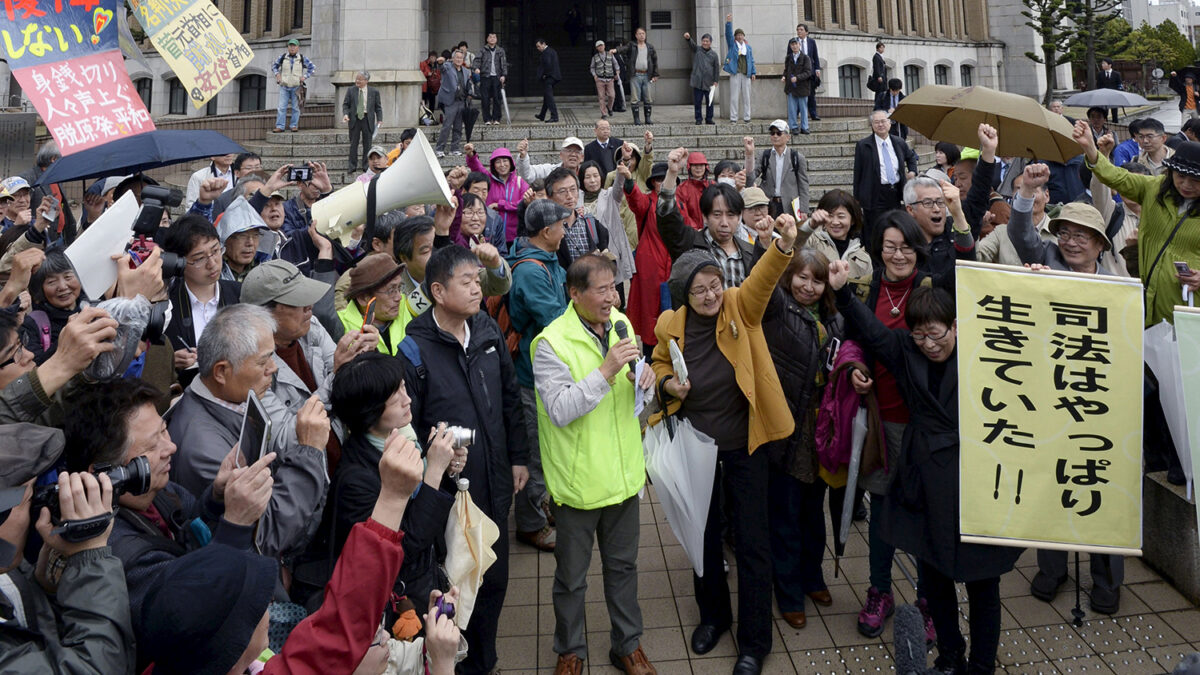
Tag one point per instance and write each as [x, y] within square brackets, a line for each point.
[930, 631]
[542, 540]
[440, 154]
[457, 153]
[875, 612]
[278, 130]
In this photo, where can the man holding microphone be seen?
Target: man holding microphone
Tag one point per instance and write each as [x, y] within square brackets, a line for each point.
[592, 460]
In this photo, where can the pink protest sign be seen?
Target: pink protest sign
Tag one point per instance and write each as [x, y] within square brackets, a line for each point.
[85, 101]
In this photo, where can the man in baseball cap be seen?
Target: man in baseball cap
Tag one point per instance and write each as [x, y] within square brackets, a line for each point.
[377, 161]
[305, 355]
[16, 206]
[91, 604]
[570, 155]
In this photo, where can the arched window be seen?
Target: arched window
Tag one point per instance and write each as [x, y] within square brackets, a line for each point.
[252, 93]
[966, 76]
[849, 81]
[912, 78]
[145, 89]
[177, 98]
[941, 75]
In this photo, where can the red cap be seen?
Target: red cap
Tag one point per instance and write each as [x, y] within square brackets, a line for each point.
[697, 158]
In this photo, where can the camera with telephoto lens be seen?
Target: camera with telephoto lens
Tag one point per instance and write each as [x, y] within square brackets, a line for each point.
[154, 200]
[133, 478]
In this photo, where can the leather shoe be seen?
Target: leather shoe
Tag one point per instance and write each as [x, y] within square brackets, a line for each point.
[795, 619]
[822, 597]
[747, 665]
[568, 664]
[543, 539]
[815, 118]
[1044, 588]
[634, 664]
[705, 637]
[540, 118]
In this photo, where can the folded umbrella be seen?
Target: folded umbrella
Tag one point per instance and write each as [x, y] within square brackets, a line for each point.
[682, 466]
[1161, 352]
[953, 114]
[1106, 98]
[470, 535]
[150, 150]
[504, 100]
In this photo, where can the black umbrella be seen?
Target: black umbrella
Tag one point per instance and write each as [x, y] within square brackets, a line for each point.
[132, 154]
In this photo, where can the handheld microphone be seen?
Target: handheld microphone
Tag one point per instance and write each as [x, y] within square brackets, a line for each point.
[909, 637]
[622, 330]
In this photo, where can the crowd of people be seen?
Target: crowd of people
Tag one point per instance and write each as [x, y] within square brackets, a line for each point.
[536, 311]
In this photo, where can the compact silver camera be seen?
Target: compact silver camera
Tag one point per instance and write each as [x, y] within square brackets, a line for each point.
[462, 436]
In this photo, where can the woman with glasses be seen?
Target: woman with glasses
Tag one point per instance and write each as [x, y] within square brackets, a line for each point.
[375, 296]
[741, 409]
[56, 292]
[921, 512]
[900, 250]
[195, 297]
[474, 228]
[1079, 229]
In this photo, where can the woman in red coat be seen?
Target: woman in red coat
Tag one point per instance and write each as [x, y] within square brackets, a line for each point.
[651, 258]
[687, 195]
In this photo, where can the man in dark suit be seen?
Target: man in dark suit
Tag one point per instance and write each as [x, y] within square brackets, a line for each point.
[452, 96]
[1108, 78]
[882, 165]
[888, 100]
[808, 46]
[878, 70]
[549, 75]
[362, 110]
[601, 149]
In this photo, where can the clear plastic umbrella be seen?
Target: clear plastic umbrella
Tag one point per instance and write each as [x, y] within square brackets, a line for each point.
[682, 463]
[469, 538]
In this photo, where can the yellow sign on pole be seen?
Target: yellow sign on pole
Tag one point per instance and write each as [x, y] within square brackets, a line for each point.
[197, 41]
[1050, 409]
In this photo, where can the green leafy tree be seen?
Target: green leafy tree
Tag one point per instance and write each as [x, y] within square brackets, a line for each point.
[1182, 52]
[1048, 18]
[1092, 18]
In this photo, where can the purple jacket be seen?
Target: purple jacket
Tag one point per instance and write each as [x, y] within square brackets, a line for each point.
[835, 420]
[505, 195]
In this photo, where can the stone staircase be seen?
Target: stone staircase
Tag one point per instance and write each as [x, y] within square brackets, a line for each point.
[829, 148]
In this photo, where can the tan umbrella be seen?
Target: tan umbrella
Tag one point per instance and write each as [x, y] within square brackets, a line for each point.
[1026, 129]
[469, 538]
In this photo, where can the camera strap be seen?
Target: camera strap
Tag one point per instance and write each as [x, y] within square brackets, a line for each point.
[77, 531]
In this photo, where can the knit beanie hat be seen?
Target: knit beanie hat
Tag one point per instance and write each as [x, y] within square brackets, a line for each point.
[204, 608]
[683, 272]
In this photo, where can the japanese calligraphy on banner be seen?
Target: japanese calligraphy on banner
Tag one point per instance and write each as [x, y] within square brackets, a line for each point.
[197, 41]
[1050, 409]
[43, 31]
[85, 101]
[1187, 332]
[66, 57]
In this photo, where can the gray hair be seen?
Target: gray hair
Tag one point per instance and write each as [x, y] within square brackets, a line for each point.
[243, 185]
[56, 262]
[366, 75]
[871, 115]
[232, 336]
[910, 188]
[47, 154]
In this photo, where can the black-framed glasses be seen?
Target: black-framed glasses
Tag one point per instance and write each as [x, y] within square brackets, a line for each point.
[20, 344]
[921, 337]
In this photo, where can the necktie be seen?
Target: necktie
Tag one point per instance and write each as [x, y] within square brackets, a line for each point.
[362, 103]
[888, 167]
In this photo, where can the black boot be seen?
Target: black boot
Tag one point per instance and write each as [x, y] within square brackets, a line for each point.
[648, 113]
[636, 118]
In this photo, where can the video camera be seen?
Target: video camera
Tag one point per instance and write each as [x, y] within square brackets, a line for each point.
[133, 478]
[154, 199]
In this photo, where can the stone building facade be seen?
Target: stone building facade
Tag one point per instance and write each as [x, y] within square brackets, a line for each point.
[954, 42]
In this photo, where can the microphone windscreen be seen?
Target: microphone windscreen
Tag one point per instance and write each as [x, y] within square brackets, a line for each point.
[622, 330]
[909, 636]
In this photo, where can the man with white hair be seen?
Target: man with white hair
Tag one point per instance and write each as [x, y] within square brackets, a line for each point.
[570, 156]
[236, 356]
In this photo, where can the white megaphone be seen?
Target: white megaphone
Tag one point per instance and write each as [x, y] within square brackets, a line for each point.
[414, 178]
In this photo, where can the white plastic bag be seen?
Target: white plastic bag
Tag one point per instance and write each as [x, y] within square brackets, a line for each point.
[682, 468]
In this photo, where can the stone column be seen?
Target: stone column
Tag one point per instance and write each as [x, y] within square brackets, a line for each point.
[387, 38]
